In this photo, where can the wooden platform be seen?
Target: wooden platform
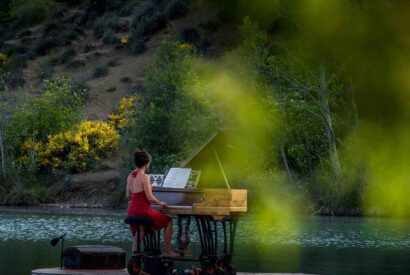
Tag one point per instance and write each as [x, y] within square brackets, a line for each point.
[66, 271]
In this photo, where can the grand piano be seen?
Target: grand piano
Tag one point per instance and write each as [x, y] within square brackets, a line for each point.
[210, 203]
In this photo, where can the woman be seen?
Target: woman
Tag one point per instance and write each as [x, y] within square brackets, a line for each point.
[139, 193]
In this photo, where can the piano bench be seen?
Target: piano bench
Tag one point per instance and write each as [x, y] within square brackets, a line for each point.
[138, 220]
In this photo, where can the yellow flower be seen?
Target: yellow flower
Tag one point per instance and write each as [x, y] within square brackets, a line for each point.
[124, 40]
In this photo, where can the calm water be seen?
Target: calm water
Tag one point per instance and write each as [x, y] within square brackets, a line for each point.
[309, 245]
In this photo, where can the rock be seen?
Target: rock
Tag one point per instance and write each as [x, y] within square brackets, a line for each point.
[175, 9]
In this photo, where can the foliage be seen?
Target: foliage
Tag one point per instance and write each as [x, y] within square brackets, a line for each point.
[100, 71]
[26, 13]
[126, 109]
[4, 62]
[75, 151]
[71, 150]
[55, 111]
[172, 122]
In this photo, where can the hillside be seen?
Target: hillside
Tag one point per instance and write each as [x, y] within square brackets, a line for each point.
[108, 56]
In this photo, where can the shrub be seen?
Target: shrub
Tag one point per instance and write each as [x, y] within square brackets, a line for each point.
[126, 79]
[76, 150]
[67, 54]
[126, 109]
[175, 9]
[46, 72]
[26, 13]
[4, 62]
[113, 62]
[76, 63]
[44, 45]
[58, 109]
[137, 46]
[110, 38]
[100, 71]
[14, 78]
[89, 47]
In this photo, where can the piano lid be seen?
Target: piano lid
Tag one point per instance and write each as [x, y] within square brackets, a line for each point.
[217, 158]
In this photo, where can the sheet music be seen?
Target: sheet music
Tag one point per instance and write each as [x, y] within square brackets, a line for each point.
[156, 179]
[177, 178]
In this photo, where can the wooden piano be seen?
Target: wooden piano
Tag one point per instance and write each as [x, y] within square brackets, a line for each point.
[215, 210]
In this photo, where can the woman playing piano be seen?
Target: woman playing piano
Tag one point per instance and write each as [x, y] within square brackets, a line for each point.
[139, 194]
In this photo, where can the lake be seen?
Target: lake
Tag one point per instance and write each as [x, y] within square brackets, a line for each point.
[320, 245]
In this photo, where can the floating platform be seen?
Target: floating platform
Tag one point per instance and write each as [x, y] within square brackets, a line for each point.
[67, 271]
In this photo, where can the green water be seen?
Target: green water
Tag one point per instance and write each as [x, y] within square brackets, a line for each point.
[307, 244]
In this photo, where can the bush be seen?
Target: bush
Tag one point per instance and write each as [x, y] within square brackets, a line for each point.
[46, 72]
[14, 78]
[67, 54]
[58, 109]
[137, 46]
[89, 47]
[100, 71]
[44, 46]
[113, 62]
[110, 38]
[27, 13]
[125, 111]
[75, 151]
[4, 62]
[175, 9]
[76, 63]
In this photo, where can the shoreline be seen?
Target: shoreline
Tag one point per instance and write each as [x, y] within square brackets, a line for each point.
[64, 209]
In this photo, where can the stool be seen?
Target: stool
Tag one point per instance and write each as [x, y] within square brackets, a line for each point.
[154, 264]
[145, 222]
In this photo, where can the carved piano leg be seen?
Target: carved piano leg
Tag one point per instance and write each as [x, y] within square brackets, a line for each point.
[184, 230]
[212, 261]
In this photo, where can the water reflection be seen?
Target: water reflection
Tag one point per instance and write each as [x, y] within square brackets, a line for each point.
[313, 232]
[318, 245]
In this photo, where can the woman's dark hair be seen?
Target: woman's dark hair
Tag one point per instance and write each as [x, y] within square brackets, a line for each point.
[141, 158]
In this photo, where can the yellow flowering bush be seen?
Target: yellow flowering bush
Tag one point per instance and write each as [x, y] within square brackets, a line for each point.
[73, 150]
[29, 149]
[125, 108]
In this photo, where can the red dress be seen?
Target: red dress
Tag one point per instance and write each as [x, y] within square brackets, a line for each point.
[140, 206]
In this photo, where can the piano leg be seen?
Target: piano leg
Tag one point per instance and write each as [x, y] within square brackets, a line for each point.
[183, 244]
[211, 261]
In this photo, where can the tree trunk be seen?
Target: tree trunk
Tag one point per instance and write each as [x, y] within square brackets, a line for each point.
[324, 106]
[2, 155]
[285, 162]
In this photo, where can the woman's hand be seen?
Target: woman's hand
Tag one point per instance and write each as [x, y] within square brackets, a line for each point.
[163, 204]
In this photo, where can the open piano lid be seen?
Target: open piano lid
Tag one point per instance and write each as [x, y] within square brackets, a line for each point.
[216, 159]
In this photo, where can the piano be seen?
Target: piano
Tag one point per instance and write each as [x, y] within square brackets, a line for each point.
[211, 203]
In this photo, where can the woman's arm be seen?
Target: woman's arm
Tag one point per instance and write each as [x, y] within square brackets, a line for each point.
[148, 192]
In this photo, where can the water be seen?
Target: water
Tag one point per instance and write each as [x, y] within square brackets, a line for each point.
[309, 244]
